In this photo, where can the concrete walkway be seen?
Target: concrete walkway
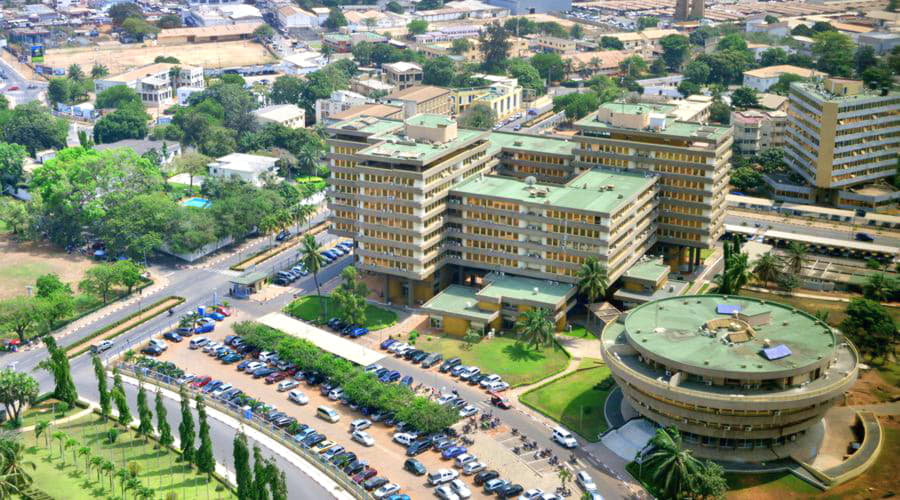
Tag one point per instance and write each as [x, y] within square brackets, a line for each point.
[74, 416]
[578, 348]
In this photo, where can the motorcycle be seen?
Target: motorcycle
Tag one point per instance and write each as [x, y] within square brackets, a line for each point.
[515, 432]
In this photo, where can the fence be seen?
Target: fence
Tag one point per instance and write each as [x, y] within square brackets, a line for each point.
[257, 422]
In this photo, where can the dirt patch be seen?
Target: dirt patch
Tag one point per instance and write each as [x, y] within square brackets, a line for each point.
[23, 262]
[871, 388]
[121, 57]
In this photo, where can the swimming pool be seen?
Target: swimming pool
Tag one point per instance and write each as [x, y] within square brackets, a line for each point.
[196, 203]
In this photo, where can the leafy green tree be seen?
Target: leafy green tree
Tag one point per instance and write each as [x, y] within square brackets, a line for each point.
[4, 103]
[658, 67]
[118, 396]
[783, 85]
[417, 27]
[49, 284]
[593, 280]
[880, 287]
[394, 7]
[479, 116]
[118, 97]
[676, 49]
[129, 122]
[879, 77]
[263, 32]
[527, 75]
[169, 21]
[12, 161]
[710, 482]
[58, 366]
[611, 43]
[795, 257]
[33, 127]
[313, 262]
[17, 390]
[438, 71]
[536, 327]
[745, 178]
[21, 315]
[576, 105]
[105, 399]
[550, 66]
[576, 32]
[773, 57]
[802, 30]
[864, 58]
[335, 19]
[242, 471]
[494, 44]
[736, 273]
[59, 90]
[75, 72]
[186, 428]
[350, 297]
[645, 22]
[54, 308]
[99, 281]
[121, 11]
[834, 53]
[671, 467]
[162, 424]
[720, 112]
[745, 97]
[870, 327]
[634, 66]
[204, 459]
[260, 474]
[145, 416]
[139, 28]
[688, 88]
[767, 268]
[891, 6]
[697, 72]
[193, 164]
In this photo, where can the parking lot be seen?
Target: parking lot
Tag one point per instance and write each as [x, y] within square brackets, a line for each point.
[385, 456]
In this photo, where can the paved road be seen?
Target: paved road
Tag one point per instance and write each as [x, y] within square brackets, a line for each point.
[802, 226]
[14, 79]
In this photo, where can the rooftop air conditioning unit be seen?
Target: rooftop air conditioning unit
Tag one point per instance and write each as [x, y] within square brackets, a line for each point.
[727, 428]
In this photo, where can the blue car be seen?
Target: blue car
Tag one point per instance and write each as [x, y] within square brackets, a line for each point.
[216, 316]
[387, 343]
[205, 328]
[390, 376]
[453, 452]
[359, 332]
[398, 497]
[381, 372]
[243, 364]
[174, 337]
[212, 386]
[407, 380]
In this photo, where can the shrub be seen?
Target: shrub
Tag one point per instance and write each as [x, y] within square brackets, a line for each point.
[111, 435]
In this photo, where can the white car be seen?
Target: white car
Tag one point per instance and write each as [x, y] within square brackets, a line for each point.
[386, 490]
[497, 386]
[335, 394]
[159, 344]
[489, 380]
[460, 489]
[532, 494]
[360, 424]
[468, 411]
[441, 476]
[252, 367]
[211, 346]
[564, 438]
[473, 467]
[585, 480]
[404, 438]
[445, 493]
[445, 398]
[373, 368]
[286, 385]
[461, 460]
[221, 390]
[399, 345]
[363, 438]
[403, 350]
[298, 397]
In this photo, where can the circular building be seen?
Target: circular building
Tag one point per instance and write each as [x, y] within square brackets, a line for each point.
[742, 379]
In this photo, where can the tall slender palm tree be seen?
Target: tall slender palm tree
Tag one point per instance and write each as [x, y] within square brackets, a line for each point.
[85, 451]
[96, 464]
[795, 256]
[672, 468]
[593, 279]
[767, 268]
[42, 428]
[313, 261]
[123, 476]
[879, 287]
[300, 213]
[536, 326]
[61, 438]
[73, 444]
[13, 465]
[133, 484]
[109, 469]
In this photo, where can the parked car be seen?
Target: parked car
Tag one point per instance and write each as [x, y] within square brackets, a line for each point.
[469, 372]
[414, 466]
[432, 359]
[453, 452]
[864, 237]
[485, 476]
[494, 484]
[200, 382]
[151, 350]
[101, 346]
[417, 448]
[298, 397]
[172, 336]
[387, 343]
[462, 460]
[500, 402]
[458, 370]
[497, 386]
[231, 358]
[445, 493]
[564, 438]
[286, 385]
[386, 490]
[488, 379]
[510, 491]
[363, 438]
[532, 494]
[468, 411]
[276, 377]
[407, 380]
[585, 481]
[360, 424]
[418, 358]
[263, 372]
[473, 468]
[375, 482]
[460, 488]
[442, 476]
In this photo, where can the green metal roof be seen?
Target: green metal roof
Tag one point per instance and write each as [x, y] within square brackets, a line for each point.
[582, 193]
[460, 301]
[671, 329]
[404, 149]
[521, 289]
[430, 120]
[649, 271]
[531, 143]
[672, 127]
[249, 278]
[368, 125]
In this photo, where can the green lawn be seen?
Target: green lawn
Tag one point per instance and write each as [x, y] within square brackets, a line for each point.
[3, 227]
[579, 332]
[45, 410]
[158, 467]
[309, 309]
[835, 309]
[769, 484]
[575, 401]
[516, 363]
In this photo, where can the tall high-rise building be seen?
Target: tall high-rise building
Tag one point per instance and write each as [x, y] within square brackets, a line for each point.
[843, 140]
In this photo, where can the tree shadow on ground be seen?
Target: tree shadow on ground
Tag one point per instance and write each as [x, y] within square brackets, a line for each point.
[520, 352]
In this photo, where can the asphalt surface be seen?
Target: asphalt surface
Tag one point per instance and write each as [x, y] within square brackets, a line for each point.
[14, 79]
[801, 226]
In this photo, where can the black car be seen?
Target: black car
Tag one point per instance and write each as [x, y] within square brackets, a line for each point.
[355, 466]
[418, 358]
[314, 439]
[417, 448]
[281, 281]
[485, 476]
[314, 378]
[475, 379]
[343, 458]
[174, 337]
[446, 366]
[510, 491]
[443, 444]
[375, 482]
[431, 360]
[414, 466]
[326, 388]
[151, 350]
[412, 352]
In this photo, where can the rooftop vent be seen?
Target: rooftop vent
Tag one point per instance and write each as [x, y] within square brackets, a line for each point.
[534, 291]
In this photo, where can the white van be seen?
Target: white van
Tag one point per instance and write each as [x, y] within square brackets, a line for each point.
[328, 414]
[268, 357]
[298, 397]
[564, 438]
[198, 342]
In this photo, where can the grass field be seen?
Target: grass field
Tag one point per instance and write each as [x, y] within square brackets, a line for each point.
[835, 309]
[575, 401]
[45, 410]
[309, 309]
[158, 467]
[516, 363]
[773, 484]
[23, 262]
[579, 332]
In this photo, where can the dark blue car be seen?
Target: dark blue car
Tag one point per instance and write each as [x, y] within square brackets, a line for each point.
[359, 332]
[391, 376]
[243, 364]
[407, 380]
[263, 372]
[387, 343]
[453, 452]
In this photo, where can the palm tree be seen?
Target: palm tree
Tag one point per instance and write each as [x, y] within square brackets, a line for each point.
[144, 493]
[301, 213]
[75, 72]
[671, 467]
[308, 159]
[9, 485]
[99, 71]
[96, 464]
[109, 469]
[313, 261]
[61, 437]
[879, 287]
[795, 256]
[133, 484]
[85, 451]
[13, 465]
[123, 476]
[767, 268]
[536, 326]
[564, 474]
[73, 443]
[593, 279]
[41, 428]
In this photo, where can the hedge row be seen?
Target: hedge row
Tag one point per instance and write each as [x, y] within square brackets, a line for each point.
[360, 387]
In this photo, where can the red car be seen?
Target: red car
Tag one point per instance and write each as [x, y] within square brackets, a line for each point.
[276, 377]
[224, 311]
[499, 401]
[365, 474]
[200, 382]
[14, 87]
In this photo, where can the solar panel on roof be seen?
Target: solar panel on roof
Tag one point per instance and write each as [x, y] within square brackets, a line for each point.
[727, 309]
[777, 352]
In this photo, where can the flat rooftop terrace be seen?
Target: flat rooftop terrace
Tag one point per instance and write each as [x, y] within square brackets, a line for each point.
[522, 289]
[672, 127]
[673, 329]
[531, 143]
[586, 192]
[398, 147]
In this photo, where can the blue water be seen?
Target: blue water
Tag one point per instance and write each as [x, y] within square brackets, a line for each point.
[196, 203]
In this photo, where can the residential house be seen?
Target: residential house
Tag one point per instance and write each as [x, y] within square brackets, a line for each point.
[155, 83]
[402, 74]
[763, 78]
[288, 115]
[249, 168]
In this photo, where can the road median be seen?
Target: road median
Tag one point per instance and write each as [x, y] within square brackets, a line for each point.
[123, 325]
[264, 255]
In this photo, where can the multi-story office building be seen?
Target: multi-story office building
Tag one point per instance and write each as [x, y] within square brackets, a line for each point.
[402, 74]
[691, 159]
[422, 99]
[155, 83]
[844, 140]
[756, 130]
[742, 379]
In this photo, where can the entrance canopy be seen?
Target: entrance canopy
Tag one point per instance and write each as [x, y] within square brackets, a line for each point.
[347, 349]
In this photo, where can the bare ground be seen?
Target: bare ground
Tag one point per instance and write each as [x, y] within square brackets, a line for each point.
[22, 262]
